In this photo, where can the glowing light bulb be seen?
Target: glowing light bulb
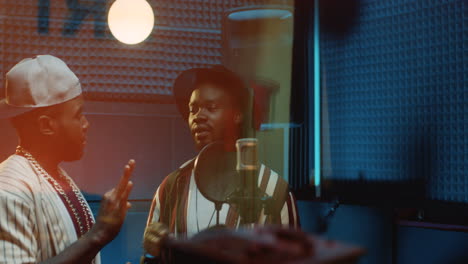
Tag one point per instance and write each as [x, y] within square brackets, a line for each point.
[131, 21]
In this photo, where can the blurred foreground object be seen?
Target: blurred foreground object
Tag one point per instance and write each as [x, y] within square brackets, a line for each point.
[154, 236]
[259, 245]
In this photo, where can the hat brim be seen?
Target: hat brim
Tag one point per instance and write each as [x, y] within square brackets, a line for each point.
[8, 111]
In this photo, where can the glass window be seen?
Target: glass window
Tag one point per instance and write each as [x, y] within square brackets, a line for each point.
[129, 89]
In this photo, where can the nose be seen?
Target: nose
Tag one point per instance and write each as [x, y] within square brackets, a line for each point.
[200, 116]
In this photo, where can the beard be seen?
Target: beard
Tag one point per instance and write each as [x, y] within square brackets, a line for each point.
[72, 152]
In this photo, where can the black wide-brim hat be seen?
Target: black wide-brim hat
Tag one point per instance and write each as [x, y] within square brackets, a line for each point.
[218, 75]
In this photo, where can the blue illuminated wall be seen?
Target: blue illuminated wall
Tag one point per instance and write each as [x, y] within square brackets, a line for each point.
[398, 95]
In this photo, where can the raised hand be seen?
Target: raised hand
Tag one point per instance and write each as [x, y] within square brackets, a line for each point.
[114, 206]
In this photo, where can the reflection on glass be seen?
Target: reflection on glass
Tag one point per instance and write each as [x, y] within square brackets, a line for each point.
[129, 96]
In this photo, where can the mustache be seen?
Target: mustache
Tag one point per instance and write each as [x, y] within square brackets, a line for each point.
[201, 127]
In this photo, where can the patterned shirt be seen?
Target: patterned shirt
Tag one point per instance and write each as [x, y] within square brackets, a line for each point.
[179, 204]
[34, 222]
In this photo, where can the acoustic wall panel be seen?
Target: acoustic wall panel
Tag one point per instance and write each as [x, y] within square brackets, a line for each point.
[187, 34]
[398, 95]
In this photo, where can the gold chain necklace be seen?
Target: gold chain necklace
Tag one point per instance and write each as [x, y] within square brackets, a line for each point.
[21, 151]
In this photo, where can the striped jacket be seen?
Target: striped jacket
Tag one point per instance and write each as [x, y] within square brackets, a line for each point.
[177, 198]
[34, 223]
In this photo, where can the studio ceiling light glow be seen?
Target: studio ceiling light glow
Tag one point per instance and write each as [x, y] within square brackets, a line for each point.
[131, 21]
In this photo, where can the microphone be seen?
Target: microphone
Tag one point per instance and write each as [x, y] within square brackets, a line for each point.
[247, 154]
[247, 163]
[247, 166]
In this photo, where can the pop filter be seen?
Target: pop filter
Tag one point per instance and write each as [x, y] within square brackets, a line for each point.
[215, 172]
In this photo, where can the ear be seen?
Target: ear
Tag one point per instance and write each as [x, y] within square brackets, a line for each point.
[47, 125]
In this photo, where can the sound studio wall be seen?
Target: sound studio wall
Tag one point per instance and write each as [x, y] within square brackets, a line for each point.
[397, 96]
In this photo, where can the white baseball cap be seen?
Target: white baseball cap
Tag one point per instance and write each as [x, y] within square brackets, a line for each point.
[38, 82]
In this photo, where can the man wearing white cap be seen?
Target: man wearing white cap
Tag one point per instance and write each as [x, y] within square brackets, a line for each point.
[43, 215]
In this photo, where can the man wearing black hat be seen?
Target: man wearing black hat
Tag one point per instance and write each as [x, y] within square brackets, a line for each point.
[43, 216]
[213, 101]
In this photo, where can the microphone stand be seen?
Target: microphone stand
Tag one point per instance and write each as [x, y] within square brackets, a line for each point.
[250, 202]
[248, 197]
[220, 183]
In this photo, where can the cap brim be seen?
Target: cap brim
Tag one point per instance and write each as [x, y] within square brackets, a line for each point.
[8, 111]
